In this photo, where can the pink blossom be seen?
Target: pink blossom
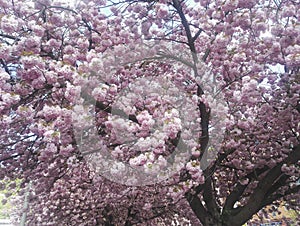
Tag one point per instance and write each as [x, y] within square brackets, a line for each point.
[145, 119]
[161, 12]
[138, 161]
[72, 93]
[289, 11]
[100, 92]
[4, 76]
[243, 54]
[9, 24]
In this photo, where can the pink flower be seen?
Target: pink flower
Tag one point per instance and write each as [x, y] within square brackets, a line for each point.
[54, 43]
[32, 42]
[145, 119]
[199, 177]
[247, 3]
[289, 10]
[4, 76]
[196, 152]
[9, 24]
[100, 92]
[72, 93]
[162, 13]
[193, 166]
[4, 52]
[138, 161]
[51, 112]
[106, 42]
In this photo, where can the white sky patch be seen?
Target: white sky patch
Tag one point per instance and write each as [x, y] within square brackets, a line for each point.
[71, 2]
[278, 68]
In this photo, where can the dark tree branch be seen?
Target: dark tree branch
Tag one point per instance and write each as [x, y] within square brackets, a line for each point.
[204, 138]
[234, 197]
[277, 196]
[5, 66]
[178, 7]
[62, 8]
[197, 35]
[256, 200]
[9, 37]
[197, 206]
[115, 111]
[210, 199]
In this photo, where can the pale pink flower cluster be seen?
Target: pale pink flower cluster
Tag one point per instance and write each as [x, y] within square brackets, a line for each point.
[51, 77]
[172, 123]
[72, 93]
[8, 99]
[50, 112]
[3, 78]
[5, 52]
[195, 171]
[52, 136]
[46, 153]
[99, 93]
[9, 24]
[145, 120]
[139, 160]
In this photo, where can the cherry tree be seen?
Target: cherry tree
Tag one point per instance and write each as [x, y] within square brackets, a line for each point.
[144, 112]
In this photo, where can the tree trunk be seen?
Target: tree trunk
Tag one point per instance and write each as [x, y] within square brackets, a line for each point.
[209, 221]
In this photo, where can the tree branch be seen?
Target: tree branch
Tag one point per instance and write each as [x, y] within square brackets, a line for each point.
[178, 7]
[197, 206]
[9, 37]
[234, 197]
[197, 35]
[256, 200]
[210, 199]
